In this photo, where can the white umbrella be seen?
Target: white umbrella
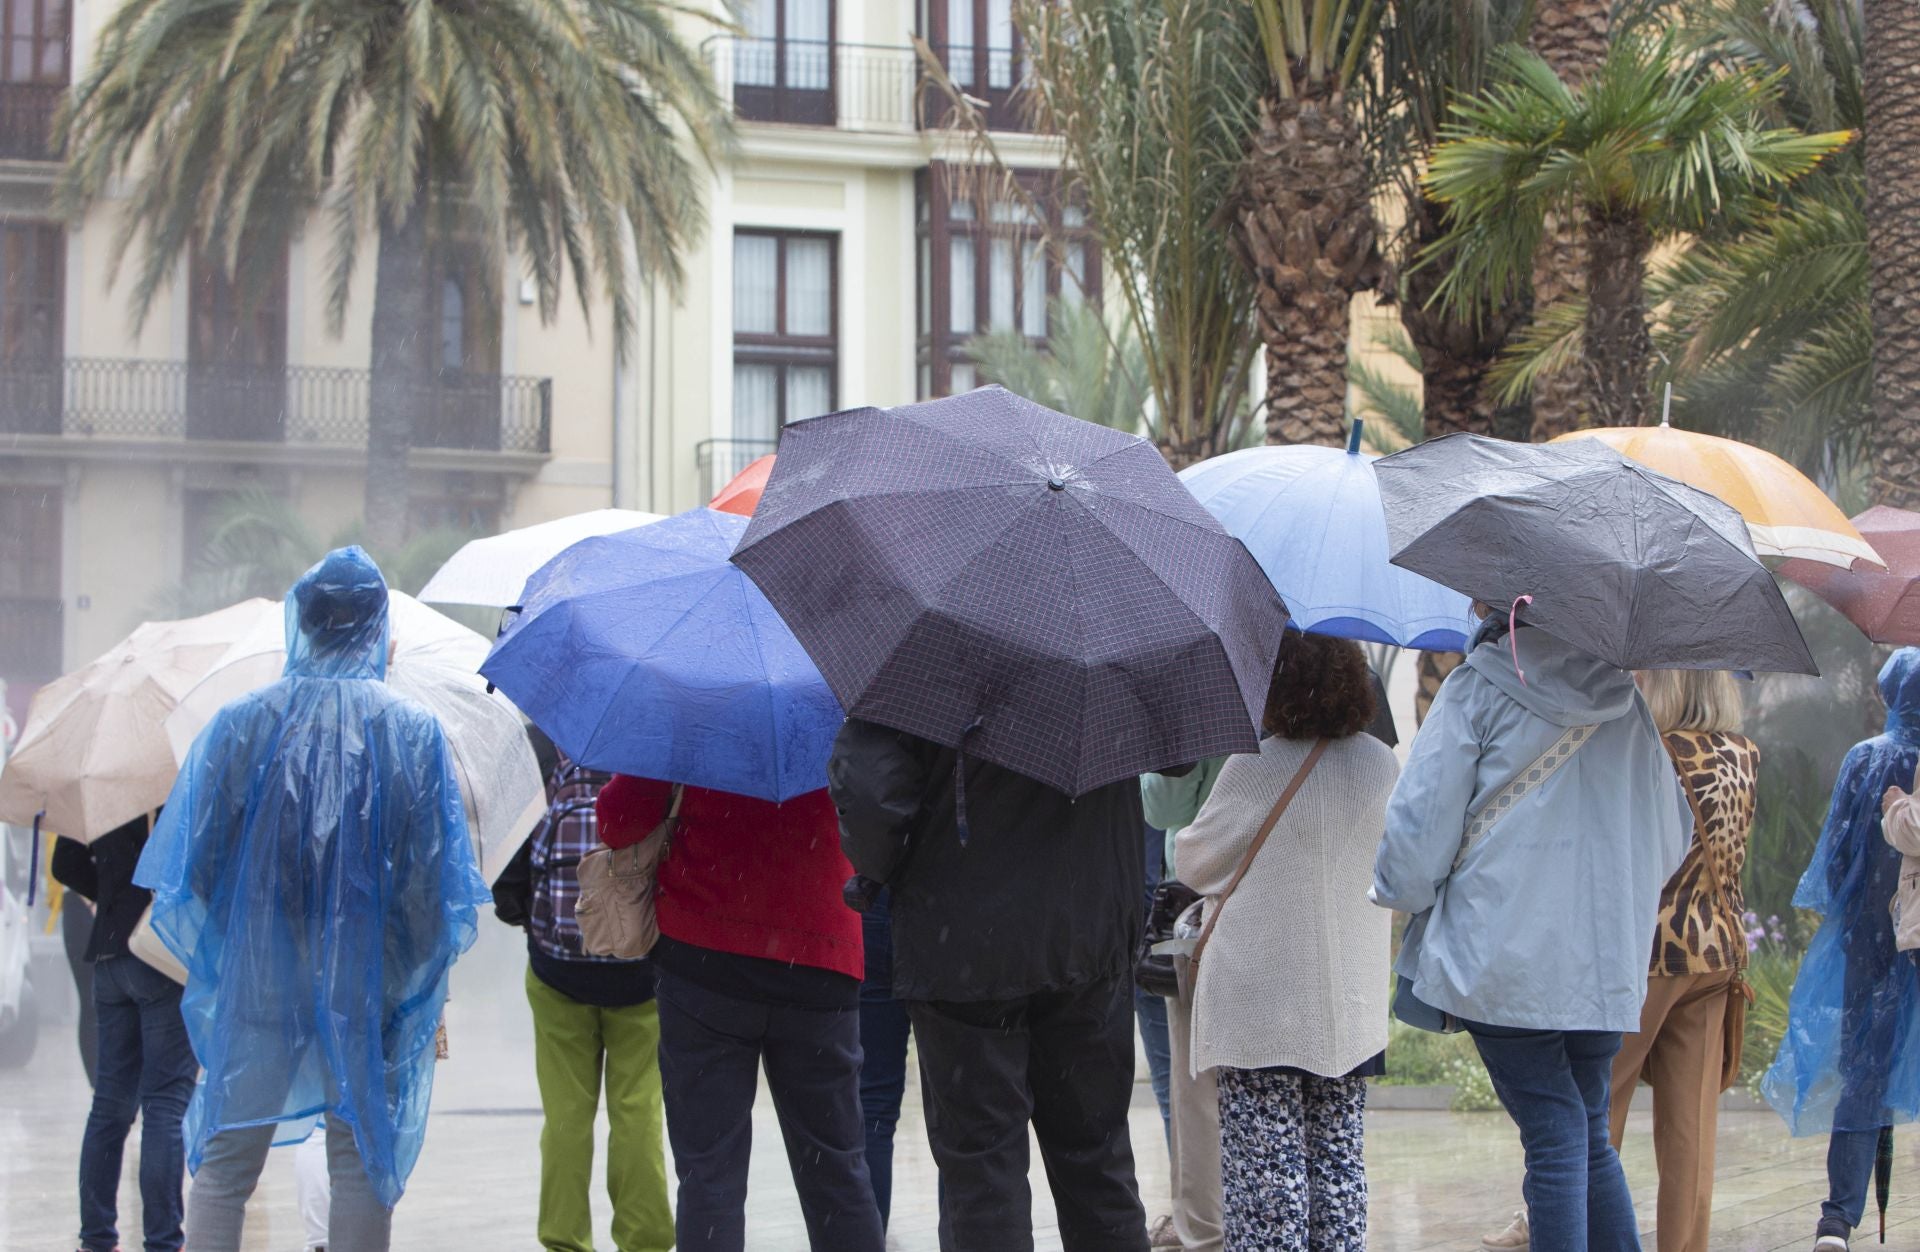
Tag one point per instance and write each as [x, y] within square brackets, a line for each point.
[491, 572]
[436, 664]
[94, 754]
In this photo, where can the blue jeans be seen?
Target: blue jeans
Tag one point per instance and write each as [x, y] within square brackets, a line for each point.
[1555, 1086]
[1850, 1156]
[884, 1031]
[145, 1067]
[1150, 1011]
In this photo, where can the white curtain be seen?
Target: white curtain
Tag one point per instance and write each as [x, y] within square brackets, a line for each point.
[753, 52]
[1073, 282]
[809, 287]
[965, 378]
[756, 260]
[807, 45]
[960, 41]
[756, 403]
[809, 391]
[961, 317]
[1033, 290]
[999, 43]
[1000, 285]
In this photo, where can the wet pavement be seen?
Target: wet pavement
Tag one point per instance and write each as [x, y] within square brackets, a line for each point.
[1439, 1180]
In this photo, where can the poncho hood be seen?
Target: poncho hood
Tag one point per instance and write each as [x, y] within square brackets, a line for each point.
[337, 619]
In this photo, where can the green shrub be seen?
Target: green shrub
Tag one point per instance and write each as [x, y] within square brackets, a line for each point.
[1771, 976]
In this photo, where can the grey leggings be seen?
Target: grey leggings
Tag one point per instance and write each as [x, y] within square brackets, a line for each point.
[217, 1205]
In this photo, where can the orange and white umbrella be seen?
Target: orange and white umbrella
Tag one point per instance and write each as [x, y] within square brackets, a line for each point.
[1786, 512]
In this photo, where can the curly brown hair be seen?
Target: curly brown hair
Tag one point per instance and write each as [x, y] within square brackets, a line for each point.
[1321, 688]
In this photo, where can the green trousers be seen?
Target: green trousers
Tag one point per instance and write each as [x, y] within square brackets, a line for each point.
[572, 1044]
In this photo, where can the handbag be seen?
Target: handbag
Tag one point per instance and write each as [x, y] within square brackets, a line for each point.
[1410, 1008]
[615, 911]
[1733, 1024]
[1259, 841]
[1153, 972]
[146, 945]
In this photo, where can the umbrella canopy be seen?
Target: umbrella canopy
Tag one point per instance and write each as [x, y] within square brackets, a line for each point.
[649, 653]
[1786, 514]
[1311, 516]
[435, 663]
[742, 494]
[491, 572]
[1884, 604]
[94, 751]
[1038, 591]
[1622, 562]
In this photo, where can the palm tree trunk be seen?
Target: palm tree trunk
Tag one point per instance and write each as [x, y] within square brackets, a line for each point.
[1456, 352]
[398, 383]
[1618, 349]
[1305, 229]
[1571, 36]
[1892, 134]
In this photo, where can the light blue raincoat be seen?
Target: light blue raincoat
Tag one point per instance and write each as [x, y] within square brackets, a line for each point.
[1548, 923]
[1850, 1059]
[313, 872]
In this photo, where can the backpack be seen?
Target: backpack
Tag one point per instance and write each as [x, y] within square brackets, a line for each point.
[615, 910]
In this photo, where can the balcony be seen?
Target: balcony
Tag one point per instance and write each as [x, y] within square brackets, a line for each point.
[720, 459]
[164, 401]
[26, 120]
[811, 83]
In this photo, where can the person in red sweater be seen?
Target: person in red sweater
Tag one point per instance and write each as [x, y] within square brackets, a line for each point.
[759, 961]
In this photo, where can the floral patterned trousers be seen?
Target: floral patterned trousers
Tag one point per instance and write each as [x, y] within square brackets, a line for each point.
[1292, 1170]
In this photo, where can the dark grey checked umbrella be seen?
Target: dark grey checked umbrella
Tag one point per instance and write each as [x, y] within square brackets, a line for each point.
[1038, 591]
[1621, 561]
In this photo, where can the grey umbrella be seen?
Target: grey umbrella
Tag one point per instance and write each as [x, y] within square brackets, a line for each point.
[1038, 591]
[1621, 561]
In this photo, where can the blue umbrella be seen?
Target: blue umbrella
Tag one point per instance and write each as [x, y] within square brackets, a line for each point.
[647, 652]
[1311, 516]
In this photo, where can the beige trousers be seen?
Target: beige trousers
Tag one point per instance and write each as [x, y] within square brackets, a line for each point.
[1679, 1048]
[1195, 1107]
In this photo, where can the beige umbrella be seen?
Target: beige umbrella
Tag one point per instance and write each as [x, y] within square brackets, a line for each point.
[94, 753]
[436, 663]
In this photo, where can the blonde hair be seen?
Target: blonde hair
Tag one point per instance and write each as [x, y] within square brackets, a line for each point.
[1691, 699]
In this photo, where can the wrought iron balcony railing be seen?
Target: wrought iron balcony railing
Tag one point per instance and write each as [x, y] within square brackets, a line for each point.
[94, 398]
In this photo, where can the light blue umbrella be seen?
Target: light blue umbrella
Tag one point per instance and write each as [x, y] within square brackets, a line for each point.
[1311, 516]
[648, 652]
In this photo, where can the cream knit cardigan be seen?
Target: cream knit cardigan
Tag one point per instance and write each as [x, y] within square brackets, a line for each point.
[1296, 972]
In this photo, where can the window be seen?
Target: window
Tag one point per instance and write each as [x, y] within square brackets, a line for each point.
[463, 354]
[458, 501]
[785, 349]
[30, 598]
[995, 266]
[32, 289]
[783, 66]
[237, 348]
[977, 41]
[33, 70]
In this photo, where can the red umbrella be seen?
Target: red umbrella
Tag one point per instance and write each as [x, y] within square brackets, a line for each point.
[742, 495]
[1885, 606]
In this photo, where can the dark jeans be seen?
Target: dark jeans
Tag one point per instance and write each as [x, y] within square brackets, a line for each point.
[1850, 1156]
[1555, 1086]
[1062, 1060]
[146, 1067]
[76, 927]
[884, 1031]
[711, 1049]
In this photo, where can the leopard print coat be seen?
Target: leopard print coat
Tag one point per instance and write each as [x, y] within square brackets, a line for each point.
[1698, 933]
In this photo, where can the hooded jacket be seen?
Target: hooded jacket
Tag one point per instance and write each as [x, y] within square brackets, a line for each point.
[1850, 1060]
[1545, 924]
[313, 872]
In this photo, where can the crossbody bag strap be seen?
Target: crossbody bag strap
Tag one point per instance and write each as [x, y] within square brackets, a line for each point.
[1266, 828]
[1521, 785]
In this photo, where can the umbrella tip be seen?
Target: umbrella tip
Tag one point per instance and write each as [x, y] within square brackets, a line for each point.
[1353, 434]
[1056, 484]
[1666, 406]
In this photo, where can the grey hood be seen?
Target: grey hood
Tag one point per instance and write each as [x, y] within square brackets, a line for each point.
[1563, 685]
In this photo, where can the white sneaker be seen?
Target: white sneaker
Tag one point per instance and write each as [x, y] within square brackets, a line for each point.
[1830, 1243]
[1516, 1237]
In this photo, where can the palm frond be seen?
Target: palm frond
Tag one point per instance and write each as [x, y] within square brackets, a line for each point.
[1553, 341]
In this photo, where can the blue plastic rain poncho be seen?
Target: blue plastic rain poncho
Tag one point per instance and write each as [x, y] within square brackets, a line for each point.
[1851, 1056]
[313, 873]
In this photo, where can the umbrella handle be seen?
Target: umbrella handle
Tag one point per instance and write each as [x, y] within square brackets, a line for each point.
[1513, 626]
[33, 858]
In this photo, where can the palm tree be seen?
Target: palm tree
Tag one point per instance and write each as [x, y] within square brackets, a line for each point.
[1768, 322]
[1087, 369]
[558, 129]
[1659, 143]
[1303, 213]
[1572, 37]
[1152, 101]
[1892, 82]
